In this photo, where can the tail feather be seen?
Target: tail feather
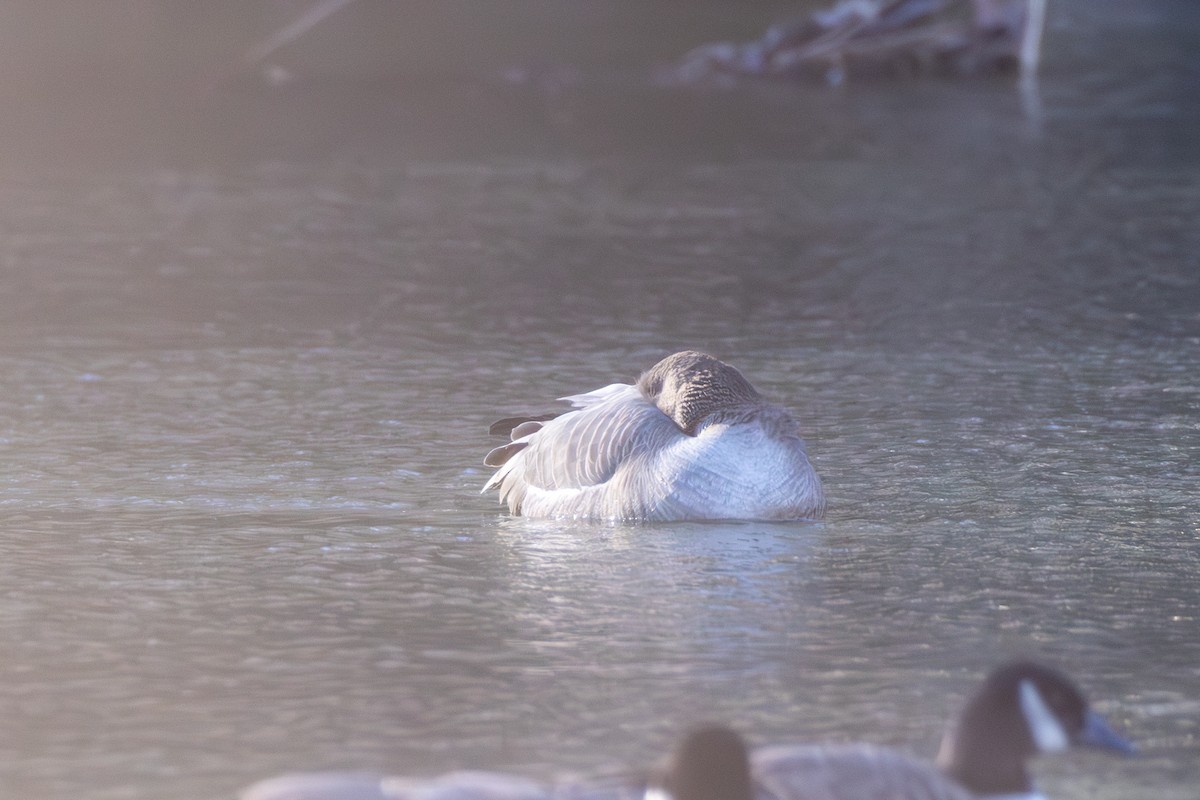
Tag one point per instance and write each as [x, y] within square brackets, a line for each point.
[499, 456]
[504, 427]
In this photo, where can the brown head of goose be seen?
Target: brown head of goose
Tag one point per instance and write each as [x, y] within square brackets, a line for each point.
[710, 763]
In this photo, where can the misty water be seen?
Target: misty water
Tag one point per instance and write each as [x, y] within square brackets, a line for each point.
[248, 360]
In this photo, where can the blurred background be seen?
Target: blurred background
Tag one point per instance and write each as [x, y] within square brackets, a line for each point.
[174, 79]
[171, 76]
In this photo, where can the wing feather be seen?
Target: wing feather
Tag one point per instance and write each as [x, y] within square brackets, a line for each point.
[586, 447]
[565, 467]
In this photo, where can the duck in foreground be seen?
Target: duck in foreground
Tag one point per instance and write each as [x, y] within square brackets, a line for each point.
[1022, 709]
[709, 764]
[690, 440]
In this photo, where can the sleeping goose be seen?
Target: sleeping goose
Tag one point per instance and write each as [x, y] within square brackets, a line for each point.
[1021, 709]
[690, 440]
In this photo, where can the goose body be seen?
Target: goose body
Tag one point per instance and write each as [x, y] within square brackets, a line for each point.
[691, 439]
[1022, 709]
[849, 772]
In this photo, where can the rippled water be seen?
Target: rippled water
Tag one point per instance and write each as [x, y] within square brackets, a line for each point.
[245, 399]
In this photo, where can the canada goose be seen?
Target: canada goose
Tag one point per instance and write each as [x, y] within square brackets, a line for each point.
[1021, 709]
[709, 764]
[692, 439]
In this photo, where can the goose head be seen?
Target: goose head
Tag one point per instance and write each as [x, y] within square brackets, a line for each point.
[690, 387]
[709, 764]
[1021, 710]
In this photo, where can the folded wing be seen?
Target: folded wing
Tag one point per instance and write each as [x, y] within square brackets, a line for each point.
[581, 450]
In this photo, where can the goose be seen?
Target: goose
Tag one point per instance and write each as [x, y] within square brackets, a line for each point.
[709, 764]
[692, 439]
[1020, 710]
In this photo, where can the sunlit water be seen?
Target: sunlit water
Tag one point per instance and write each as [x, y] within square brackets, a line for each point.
[245, 403]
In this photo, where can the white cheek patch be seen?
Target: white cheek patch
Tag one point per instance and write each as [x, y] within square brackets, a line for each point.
[1047, 732]
[656, 793]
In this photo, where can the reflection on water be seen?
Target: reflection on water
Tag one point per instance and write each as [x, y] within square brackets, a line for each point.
[246, 394]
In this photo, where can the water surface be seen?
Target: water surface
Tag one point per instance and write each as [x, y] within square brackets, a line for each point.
[247, 377]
